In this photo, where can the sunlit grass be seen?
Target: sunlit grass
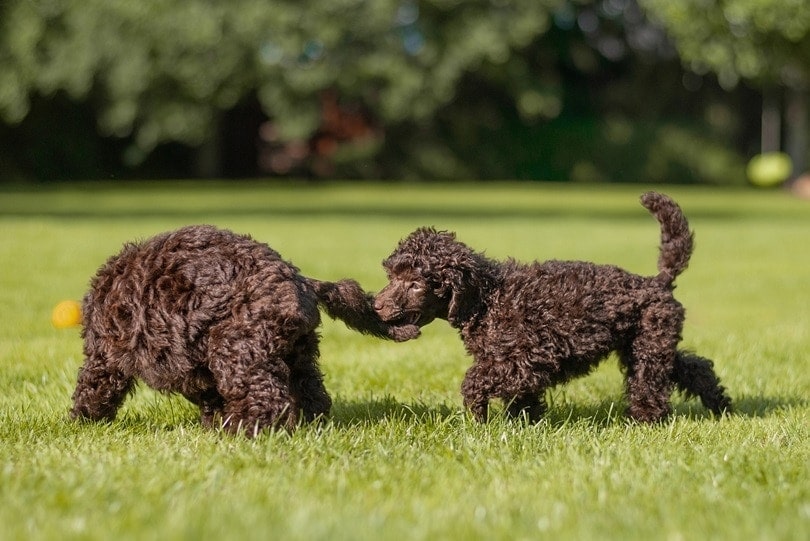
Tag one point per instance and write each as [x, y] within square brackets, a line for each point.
[399, 458]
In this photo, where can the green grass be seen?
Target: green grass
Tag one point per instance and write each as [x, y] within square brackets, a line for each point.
[399, 458]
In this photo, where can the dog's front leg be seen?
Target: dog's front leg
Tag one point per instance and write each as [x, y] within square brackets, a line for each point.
[477, 389]
[479, 409]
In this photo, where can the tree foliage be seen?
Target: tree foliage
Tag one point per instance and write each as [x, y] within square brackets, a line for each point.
[165, 68]
[553, 89]
[765, 41]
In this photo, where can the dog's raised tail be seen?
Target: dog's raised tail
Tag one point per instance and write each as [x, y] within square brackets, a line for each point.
[347, 301]
[676, 238]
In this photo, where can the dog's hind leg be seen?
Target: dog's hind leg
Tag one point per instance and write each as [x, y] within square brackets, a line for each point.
[694, 376]
[649, 363]
[100, 390]
[256, 395]
[253, 379]
[306, 380]
[649, 387]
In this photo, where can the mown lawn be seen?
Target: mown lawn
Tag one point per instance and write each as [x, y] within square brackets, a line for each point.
[399, 458]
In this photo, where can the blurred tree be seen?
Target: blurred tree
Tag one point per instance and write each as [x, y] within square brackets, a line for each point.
[165, 70]
[617, 107]
[764, 41]
[552, 89]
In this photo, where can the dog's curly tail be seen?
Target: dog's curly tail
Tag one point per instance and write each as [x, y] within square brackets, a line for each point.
[694, 376]
[676, 239]
[347, 301]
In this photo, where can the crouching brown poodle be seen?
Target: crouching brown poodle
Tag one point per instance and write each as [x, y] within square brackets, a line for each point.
[532, 326]
[220, 319]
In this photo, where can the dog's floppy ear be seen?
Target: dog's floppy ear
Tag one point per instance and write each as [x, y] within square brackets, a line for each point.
[461, 285]
[461, 307]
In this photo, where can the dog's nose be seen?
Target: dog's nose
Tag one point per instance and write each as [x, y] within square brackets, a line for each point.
[378, 305]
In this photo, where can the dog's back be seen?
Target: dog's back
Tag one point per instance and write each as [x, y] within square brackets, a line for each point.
[580, 310]
[154, 304]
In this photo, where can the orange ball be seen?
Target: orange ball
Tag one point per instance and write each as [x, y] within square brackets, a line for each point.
[66, 314]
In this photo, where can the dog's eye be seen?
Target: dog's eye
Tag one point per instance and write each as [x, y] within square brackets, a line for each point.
[416, 287]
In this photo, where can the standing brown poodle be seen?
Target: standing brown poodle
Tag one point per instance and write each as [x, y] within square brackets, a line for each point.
[220, 319]
[532, 326]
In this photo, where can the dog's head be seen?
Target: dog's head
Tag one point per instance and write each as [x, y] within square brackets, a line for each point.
[430, 275]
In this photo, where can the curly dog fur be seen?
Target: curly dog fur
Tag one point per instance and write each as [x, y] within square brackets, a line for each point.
[532, 326]
[220, 319]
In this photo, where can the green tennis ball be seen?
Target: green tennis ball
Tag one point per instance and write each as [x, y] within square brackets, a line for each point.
[769, 169]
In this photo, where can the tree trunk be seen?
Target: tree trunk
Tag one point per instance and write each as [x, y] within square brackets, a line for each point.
[771, 121]
[796, 144]
[208, 156]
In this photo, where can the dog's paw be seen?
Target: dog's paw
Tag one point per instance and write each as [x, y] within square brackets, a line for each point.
[403, 333]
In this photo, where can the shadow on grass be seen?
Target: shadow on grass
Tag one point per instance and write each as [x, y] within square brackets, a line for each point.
[352, 413]
[765, 406]
[608, 412]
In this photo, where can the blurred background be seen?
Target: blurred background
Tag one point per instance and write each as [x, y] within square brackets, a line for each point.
[685, 91]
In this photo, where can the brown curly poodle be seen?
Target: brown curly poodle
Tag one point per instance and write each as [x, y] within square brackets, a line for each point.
[532, 326]
[220, 319]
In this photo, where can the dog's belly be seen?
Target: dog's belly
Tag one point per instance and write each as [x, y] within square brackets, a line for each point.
[573, 368]
[559, 352]
[576, 353]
